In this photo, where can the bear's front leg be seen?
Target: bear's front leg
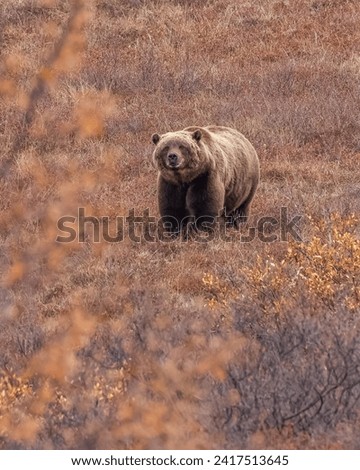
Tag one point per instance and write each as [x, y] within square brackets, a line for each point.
[205, 201]
[172, 206]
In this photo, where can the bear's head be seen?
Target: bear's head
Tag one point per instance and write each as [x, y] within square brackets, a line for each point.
[178, 155]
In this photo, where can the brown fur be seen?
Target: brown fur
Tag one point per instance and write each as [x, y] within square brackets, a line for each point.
[215, 169]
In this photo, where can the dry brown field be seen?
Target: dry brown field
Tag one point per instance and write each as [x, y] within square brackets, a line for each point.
[178, 344]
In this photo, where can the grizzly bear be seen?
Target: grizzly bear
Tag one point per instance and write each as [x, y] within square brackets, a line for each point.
[204, 172]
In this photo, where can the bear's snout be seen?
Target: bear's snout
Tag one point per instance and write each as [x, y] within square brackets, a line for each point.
[173, 160]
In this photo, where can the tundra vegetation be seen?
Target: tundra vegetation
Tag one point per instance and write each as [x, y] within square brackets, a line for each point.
[178, 344]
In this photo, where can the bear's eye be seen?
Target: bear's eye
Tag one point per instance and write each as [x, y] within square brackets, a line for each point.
[183, 149]
[164, 151]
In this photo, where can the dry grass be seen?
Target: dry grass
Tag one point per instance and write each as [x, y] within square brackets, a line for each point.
[178, 345]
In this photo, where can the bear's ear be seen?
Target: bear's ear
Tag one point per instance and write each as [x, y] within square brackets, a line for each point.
[155, 138]
[197, 135]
